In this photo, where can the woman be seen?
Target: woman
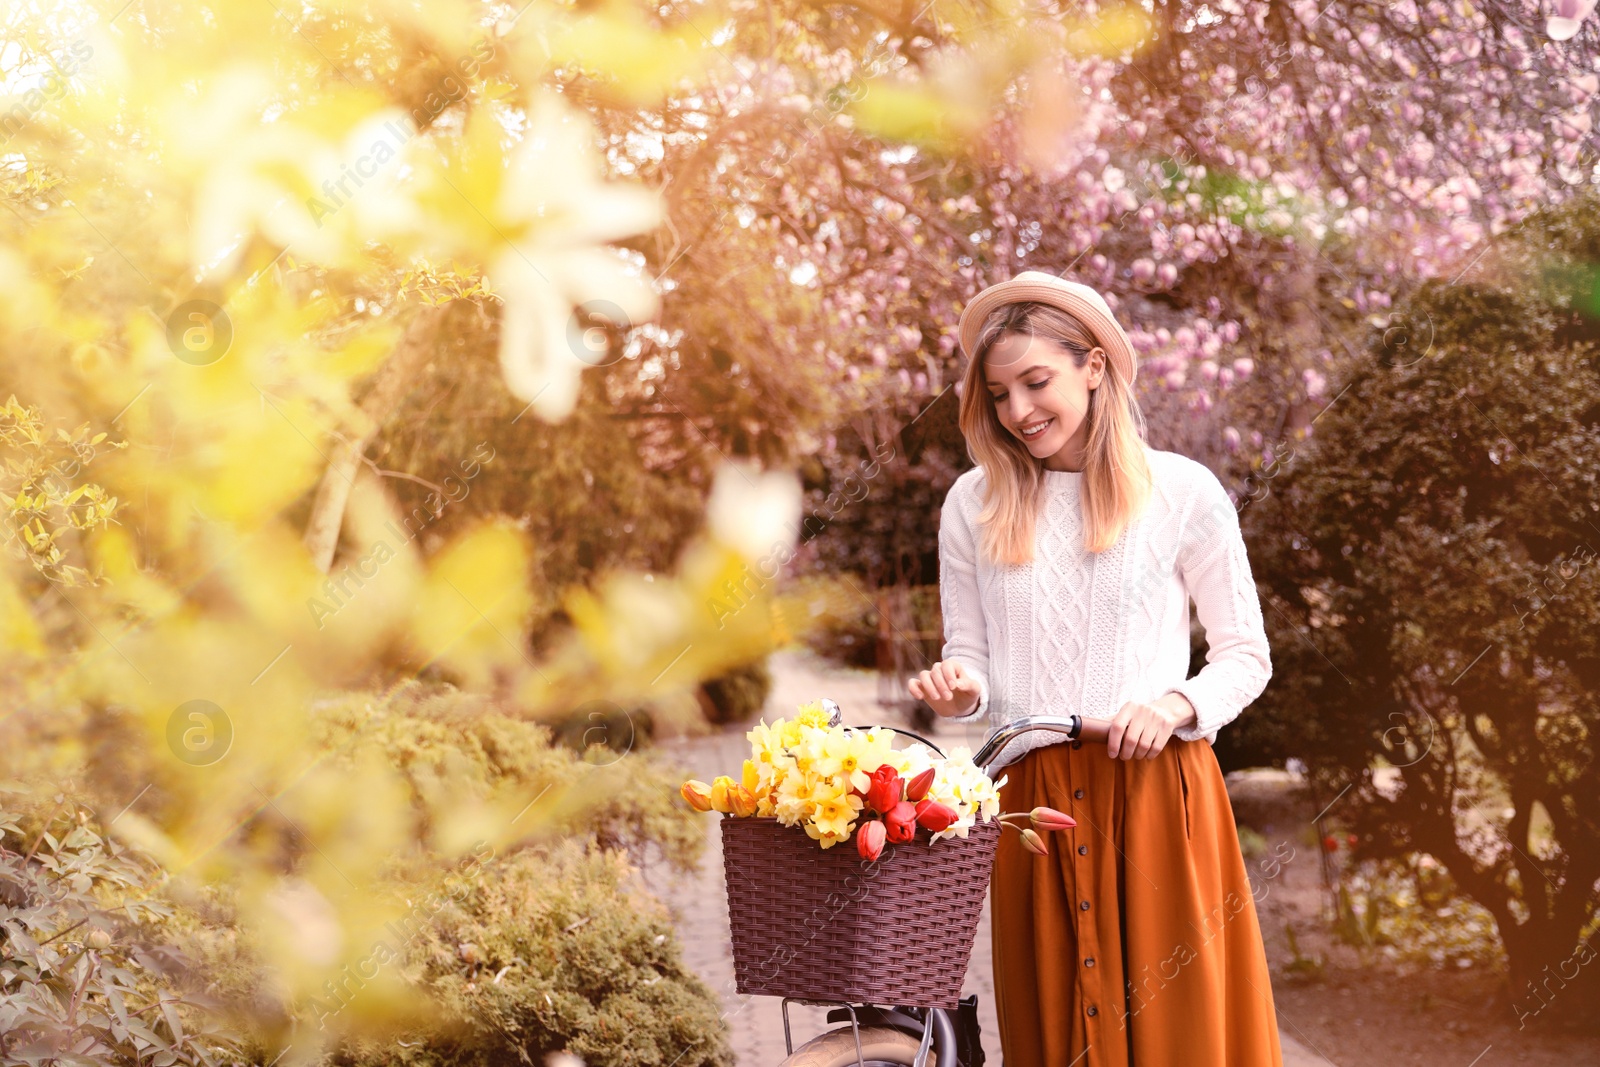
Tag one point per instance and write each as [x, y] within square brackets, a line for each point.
[1067, 560]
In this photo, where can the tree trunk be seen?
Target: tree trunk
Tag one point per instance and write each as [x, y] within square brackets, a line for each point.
[390, 383]
[1302, 330]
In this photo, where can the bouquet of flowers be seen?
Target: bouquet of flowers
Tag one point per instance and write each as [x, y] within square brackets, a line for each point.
[839, 783]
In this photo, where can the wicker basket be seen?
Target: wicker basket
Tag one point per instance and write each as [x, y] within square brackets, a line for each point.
[825, 924]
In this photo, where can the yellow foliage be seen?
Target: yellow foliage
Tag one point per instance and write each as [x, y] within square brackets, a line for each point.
[472, 611]
[192, 218]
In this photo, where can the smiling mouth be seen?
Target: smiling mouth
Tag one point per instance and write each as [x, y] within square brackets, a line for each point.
[1030, 432]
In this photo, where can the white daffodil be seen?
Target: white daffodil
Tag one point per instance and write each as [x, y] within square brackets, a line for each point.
[553, 212]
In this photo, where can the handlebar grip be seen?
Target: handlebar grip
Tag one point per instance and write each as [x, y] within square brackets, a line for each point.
[1094, 729]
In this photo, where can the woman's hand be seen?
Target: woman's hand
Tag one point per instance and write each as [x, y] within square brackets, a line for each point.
[946, 688]
[1141, 731]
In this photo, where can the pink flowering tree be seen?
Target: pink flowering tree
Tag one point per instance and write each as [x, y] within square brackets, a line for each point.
[1255, 187]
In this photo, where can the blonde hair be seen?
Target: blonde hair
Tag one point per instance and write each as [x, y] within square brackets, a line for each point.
[1116, 474]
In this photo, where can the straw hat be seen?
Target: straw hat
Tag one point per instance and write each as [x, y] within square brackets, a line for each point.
[1075, 298]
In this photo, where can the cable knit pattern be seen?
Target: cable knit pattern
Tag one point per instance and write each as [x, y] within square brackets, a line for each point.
[1079, 632]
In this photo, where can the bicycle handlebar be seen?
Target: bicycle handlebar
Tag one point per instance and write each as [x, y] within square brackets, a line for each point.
[1073, 726]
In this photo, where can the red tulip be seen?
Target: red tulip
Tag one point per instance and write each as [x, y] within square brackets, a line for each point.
[1033, 842]
[1051, 819]
[884, 792]
[901, 822]
[870, 836]
[1350, 839]
[918, 787]
[935, 816]
[1330, 843]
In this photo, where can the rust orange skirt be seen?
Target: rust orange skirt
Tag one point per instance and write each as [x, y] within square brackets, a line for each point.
[1135, 942]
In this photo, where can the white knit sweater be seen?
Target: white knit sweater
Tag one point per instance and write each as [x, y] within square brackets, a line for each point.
[1073, 631]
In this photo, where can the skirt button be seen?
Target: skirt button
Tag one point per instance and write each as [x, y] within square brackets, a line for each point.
[1084, 905]
[1083, 850]
[1093, 1010]
[1078, 793]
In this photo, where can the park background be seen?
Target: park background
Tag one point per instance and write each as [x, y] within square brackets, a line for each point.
[432, 427]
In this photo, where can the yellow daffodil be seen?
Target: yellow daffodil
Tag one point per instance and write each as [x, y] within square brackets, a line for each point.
[762, 737]
[812, 715]
[797, 787]
[803, 772]
[809, 748]
[851, 756]
[790, 733]
[827, 840]
[837, 815]
[789, 811]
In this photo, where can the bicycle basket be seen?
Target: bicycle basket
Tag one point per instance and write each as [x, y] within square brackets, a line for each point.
[824, 923]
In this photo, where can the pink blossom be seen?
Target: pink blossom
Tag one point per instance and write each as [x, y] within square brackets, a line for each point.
[1566, 17]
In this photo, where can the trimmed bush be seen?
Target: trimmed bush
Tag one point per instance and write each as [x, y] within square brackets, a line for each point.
[550, 950]
[739, 695]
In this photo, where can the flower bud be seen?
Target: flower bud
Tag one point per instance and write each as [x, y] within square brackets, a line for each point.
[742, 801]
[698, 794]
[721, 786]
[870, 836]
[886, 788]
[918, 787]
[900, 824]
[1033, 842]
[935, 816]
[1050, 819]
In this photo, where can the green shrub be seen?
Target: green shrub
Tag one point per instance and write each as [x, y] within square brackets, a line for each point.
[1251, 842]
[846, 632]
[443, 739]
[616, 984]
[848, 638]
[87, 973]
[1411, 909]
[611, 989]
[738, 695]
[549, 950]
[1444, 511]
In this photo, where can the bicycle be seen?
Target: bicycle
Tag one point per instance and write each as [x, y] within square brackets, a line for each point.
[907, 1035]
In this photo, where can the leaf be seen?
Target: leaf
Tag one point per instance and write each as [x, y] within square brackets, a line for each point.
[173, 1023]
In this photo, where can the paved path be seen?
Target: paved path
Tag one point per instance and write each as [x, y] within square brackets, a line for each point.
[700, 903]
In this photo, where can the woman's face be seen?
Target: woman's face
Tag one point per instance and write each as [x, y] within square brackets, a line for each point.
[1042, 398]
